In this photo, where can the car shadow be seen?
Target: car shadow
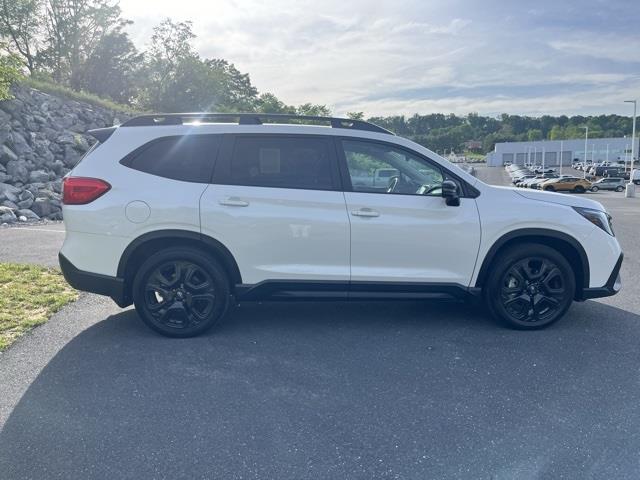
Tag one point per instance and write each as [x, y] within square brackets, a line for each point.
[336, 390]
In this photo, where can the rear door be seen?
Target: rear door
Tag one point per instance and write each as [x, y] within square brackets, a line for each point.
[403, 231]
[276, 203]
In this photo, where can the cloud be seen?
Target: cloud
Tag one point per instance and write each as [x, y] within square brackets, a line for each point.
[414, 56]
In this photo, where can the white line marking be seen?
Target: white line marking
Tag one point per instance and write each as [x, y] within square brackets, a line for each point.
[37, 229]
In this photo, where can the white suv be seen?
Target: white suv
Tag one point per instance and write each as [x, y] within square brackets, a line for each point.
[181, 213]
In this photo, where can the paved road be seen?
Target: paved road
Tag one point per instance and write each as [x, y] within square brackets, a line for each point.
[329, 390]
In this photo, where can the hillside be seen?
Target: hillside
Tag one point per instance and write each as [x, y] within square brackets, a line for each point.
[41, 137]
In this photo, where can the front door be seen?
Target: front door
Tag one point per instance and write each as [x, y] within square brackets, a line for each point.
[402, 230]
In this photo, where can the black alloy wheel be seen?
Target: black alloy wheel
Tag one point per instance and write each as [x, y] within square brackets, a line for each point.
[530, 287]
[181, 292]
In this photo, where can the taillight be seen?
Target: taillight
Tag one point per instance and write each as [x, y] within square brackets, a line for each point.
[81, 190]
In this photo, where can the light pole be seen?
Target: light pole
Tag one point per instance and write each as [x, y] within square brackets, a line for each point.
[561, 145]
[586, 138]
[631, 188]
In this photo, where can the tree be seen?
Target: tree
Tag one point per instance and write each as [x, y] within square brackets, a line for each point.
[355, 115]
[21, 25]
[269, 103]
[534, 134]
[111, 69]
[74, 29]
[313, 110]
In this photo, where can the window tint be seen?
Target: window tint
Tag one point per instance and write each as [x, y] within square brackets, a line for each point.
[380, 168]
[283, 162]
[189, 158]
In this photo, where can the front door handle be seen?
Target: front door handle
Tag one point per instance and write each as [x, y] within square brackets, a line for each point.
[365, 212]
[233, 202]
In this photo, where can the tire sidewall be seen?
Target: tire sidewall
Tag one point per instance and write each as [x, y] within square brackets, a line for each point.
[594, 189]
[492, 292]
[207, 263]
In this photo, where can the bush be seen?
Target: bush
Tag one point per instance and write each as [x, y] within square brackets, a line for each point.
[9, 73]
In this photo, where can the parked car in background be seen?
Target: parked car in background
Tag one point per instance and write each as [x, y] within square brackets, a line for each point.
[535, 183]
[608, 183]
[566, 184]
[523, 178]
[543, 170]
[635, 176]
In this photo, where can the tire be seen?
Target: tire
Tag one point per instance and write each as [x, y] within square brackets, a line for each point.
[594, 189]
[579, 189]
[619, 188]
[550, 189]
[181, 292]
[530, 286]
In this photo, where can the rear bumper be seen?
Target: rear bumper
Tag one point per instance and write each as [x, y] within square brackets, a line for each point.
[93, 282]
[612, 286]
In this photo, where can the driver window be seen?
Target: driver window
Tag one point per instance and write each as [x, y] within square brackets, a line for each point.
[379, 168]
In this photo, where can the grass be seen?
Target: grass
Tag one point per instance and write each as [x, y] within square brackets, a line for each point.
[29, 295]
[79, 96]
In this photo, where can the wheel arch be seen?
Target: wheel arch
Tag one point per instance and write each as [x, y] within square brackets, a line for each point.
[149, 243]
[567, 245]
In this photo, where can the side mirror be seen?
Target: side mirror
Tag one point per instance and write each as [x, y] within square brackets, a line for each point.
[450, 193]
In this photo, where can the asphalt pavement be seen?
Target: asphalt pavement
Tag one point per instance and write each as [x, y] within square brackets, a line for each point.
[327, 390]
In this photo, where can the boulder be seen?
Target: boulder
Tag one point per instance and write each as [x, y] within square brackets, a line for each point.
[17, 169]
[6, 155]
[38, 176]
[28, 214]
[43, 207]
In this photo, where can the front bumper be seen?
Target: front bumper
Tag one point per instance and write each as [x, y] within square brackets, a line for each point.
[93, 282]
[613, 285]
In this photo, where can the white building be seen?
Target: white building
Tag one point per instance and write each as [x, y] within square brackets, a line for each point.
[598, 149]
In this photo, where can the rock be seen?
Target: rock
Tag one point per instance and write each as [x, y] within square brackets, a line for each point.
[28, 214]
[43, 207]
[38, 176]
[7, 218]
[6, 155]
[5, 130]
[19, 144]
[18, 170]
[6, 188]
[22, 218]
[25, 203]
[9, 204]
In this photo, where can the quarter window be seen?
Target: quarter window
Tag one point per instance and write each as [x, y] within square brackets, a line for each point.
[188, 158]
[281, 162]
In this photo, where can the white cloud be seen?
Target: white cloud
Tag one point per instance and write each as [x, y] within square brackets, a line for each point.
[408, 56]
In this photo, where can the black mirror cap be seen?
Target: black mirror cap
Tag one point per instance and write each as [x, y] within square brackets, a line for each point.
[451, 193]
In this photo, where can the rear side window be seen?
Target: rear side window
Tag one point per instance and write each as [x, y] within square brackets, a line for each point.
[188, 158]
[281, 162]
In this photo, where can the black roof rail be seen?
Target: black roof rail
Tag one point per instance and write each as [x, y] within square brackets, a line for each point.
[249, 119]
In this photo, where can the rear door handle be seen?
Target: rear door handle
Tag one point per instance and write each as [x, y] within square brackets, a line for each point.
[233, 202]
[365, 212]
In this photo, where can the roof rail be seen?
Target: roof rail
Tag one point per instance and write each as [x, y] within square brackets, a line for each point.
[249, 119]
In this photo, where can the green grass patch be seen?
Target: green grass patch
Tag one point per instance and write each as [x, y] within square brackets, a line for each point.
[29, 295]
[79, 96]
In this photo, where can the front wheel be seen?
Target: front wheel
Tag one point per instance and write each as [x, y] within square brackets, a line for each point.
[180, 292]
[530, 287]
[550, 189]
[594, 189]
[579, 189]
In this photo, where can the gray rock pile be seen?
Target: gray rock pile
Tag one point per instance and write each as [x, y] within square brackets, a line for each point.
[41, 138]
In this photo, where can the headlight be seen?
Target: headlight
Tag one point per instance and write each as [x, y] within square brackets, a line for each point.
[598, 218]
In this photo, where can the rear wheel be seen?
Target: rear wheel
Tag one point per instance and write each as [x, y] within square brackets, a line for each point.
[180, 292]
[619, 188]
[530, 286]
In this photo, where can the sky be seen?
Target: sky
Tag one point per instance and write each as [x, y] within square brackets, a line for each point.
[409, 56]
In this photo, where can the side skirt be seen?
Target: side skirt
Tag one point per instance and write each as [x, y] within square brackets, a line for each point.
[288, 290]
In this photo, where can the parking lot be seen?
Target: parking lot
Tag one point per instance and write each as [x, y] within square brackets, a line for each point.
[327, 390]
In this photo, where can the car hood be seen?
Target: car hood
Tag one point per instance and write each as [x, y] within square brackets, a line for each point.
[558, 198]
